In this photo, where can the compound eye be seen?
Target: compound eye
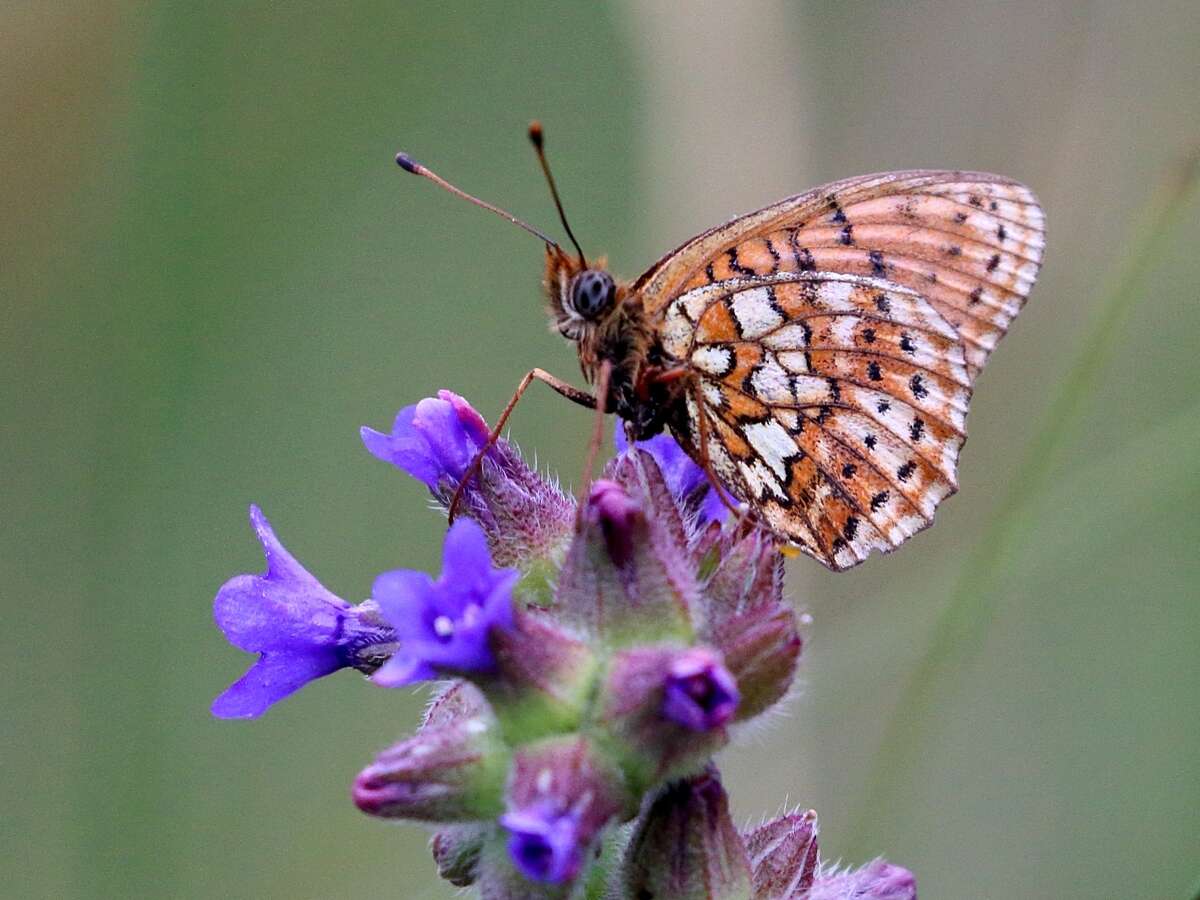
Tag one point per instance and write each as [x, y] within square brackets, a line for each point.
[592, 294]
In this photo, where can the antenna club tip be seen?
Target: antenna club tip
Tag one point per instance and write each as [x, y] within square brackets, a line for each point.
[407, 163]
[535, 133]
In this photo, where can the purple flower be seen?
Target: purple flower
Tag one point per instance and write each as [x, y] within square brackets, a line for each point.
[527, 519]
[544, 844]
[562, 793]
[300, 630]
[686, 480]
[444, 625]
[433, 440]
[700, 694]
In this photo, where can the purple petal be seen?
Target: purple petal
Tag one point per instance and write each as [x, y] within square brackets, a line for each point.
[498, 607]
[699, 694]
[403, 669]
[448, 441]
[404, 597]
[281, 565]
[446, 624]
[273, 677]
[686, 480]
[474, 424]
[544, 848]
[406, 448]
[466, 561]
[285, 608]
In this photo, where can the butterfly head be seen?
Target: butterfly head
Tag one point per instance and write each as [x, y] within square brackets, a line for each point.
[581, 298]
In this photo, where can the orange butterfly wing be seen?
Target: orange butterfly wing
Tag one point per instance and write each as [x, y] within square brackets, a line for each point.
[835, 336]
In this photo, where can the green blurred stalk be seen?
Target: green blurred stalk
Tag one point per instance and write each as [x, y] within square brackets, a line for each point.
[961, 627]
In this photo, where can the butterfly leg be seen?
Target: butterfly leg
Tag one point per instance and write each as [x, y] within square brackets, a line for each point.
[583, 398]
[602, 380]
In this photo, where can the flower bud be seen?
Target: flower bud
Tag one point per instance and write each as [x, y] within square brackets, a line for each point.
[877, 880]
[628, 576]
[783, 856]
[685, 846]
[456, 851]
[541, 680]
[666, 708]
[699, 692]
[748, 571]
[616, 515]
[761, 646]
[560, 796]
[786, 865]
[448, 771]
[526, 518]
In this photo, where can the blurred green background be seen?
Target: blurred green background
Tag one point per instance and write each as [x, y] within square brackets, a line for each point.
[212, 275]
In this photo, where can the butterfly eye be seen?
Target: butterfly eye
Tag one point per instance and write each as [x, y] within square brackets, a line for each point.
[592, 293]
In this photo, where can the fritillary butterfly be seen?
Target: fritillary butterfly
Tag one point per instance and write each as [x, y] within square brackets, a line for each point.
[818, 354]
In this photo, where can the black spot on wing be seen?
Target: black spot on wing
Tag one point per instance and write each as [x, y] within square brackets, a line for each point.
[736, 266]
[774, 256]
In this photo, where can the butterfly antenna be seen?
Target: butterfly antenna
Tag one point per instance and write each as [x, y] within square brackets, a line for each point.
[408, 164]
[539, 141]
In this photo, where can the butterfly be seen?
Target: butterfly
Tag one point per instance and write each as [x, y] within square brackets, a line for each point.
[817, 356]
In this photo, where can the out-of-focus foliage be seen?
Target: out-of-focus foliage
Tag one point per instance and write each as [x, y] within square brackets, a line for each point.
[212, 275]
